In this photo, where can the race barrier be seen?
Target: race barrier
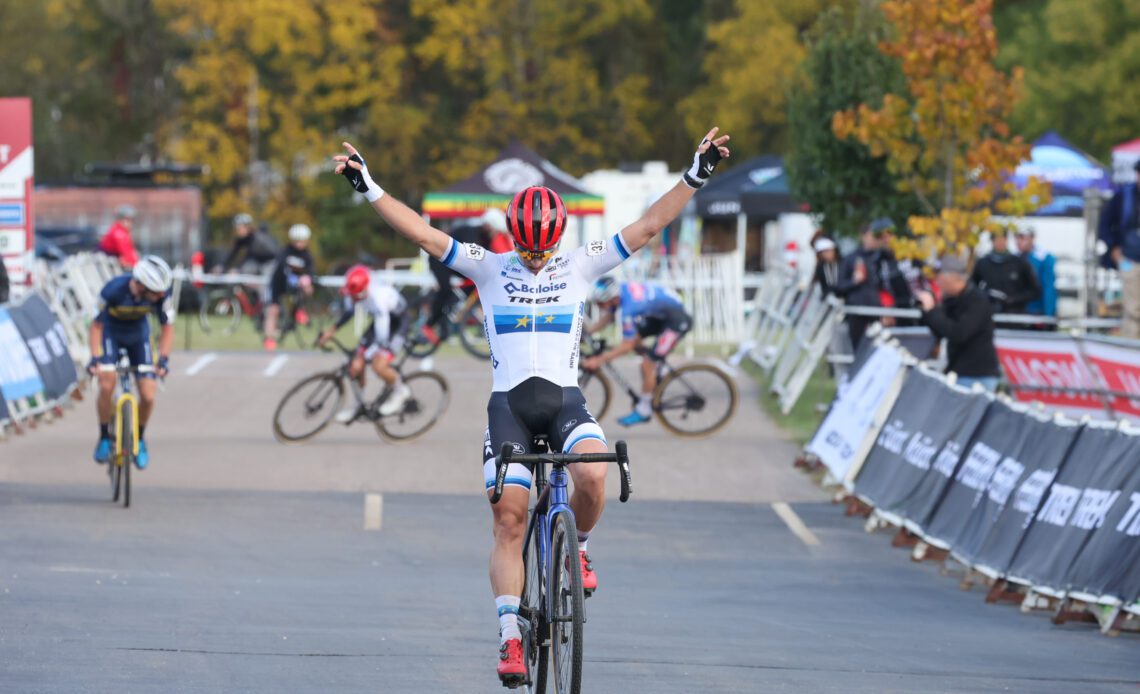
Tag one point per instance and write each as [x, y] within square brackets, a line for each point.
[37, 373]
[1043, 508]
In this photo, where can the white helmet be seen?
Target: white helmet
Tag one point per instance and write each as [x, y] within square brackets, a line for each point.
[300, 232]
[153, 273]
[605, 289]
[495, 218]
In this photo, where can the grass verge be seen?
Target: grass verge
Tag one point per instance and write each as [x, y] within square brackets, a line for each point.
[803, 420]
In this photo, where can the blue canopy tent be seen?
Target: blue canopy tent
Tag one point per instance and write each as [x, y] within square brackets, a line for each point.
[1070, 170]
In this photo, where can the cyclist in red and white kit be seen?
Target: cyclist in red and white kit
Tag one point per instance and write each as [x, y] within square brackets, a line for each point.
[534, 301]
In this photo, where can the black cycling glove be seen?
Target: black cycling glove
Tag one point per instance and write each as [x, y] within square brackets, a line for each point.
[703, 165]
[361, 181]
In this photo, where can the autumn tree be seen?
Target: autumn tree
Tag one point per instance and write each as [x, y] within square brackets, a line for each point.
[839, 179]
[947, 137]
[752, 58]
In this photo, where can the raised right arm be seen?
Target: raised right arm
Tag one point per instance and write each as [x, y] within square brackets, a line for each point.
[399, 216]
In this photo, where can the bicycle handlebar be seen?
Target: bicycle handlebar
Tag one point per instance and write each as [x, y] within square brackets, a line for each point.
[507, 456]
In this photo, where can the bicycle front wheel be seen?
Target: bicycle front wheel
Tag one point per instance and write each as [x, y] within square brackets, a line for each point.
[423, 408]
[308, 408]
[596, 388]
[220, 311]
[471, 333]
[569, 611]
[695, 400]
[532, 622]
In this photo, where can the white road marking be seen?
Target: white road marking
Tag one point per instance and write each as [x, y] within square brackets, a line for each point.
[794, 523]
[80, 570]
[276, 364]
[203, 362]
[373, 510]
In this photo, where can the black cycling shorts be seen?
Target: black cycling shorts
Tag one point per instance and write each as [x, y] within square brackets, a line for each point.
[535, 406]
[668, 327]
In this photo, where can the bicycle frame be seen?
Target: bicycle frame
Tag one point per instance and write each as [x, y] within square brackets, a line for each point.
[663, 368]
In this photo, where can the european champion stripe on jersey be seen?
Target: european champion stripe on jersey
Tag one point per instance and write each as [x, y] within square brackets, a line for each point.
[509, 320]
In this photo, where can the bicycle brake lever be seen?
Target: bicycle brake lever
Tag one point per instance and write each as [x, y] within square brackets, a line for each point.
[504, 460]
[623, 468]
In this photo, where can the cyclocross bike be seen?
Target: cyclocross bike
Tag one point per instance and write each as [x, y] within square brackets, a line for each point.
[223, 308]
[552, 606]
[125, 425]
[308, 407]
[464, 316]
[694, 399]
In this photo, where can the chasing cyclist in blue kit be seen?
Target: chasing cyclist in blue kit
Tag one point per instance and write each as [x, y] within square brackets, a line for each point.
[534, 301]
[122, 323]
[647, 310]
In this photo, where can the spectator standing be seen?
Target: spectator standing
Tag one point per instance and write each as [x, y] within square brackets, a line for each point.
[865, 278]
[1120, 231]
[1007, 279]
[1043, 264]
[826, 265]
[965, 320]
[117, 241]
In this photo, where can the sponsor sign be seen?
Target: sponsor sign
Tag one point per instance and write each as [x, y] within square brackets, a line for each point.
[1040, 362]
[16, 163]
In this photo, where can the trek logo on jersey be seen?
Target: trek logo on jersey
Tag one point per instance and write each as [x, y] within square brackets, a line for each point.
[512, 288]
[509, 319]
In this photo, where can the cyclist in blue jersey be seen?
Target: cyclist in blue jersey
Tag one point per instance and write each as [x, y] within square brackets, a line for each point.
[647, 310]
[534, 301]
[124, 305]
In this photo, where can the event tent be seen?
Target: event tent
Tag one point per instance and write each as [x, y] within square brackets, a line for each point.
[758, 187]
[513, 169]
[1070, 170]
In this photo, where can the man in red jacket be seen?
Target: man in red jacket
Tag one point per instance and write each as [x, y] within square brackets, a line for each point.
[117, 241]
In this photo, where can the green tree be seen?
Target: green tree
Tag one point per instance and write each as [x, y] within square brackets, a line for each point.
[1081, 60]
[839, 179]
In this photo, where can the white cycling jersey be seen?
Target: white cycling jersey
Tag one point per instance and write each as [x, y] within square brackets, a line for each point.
[534, 321]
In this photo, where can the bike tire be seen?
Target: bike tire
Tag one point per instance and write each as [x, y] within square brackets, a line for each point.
[675, 398]
[220, 310]
[419, 346]
[430, 398]
[128, 456]
[597, 390]
[569, 606]
[314, 391]
[537, 652]
[472, 332]
[115, 470]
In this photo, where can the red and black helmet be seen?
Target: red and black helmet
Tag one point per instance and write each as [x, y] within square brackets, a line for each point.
[536, 218]
[356, 280]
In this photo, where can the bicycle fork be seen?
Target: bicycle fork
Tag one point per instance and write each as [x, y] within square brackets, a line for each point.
[126, 399]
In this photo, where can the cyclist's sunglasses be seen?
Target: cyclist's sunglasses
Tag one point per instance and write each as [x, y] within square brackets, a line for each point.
[534, 255]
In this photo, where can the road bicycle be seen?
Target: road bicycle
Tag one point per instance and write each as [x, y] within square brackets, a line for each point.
[222, 309]
[308, 407]
[463, 317]
[125, 425]
[552, 606]
[694, 399]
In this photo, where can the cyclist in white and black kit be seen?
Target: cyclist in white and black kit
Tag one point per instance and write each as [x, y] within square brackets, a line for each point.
[534, 302]
[381, 342]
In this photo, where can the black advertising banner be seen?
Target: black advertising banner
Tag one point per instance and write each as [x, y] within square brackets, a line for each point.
[996, 445]
[1110, 562]
[3, 409]
[1002, 514]
[46, 341]
[1088, 484]
[911, 436]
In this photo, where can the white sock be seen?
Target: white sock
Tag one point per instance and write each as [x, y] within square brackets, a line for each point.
[644, 405]
[583, 539]
[508, 606]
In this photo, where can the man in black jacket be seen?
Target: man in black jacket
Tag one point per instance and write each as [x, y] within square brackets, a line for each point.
[966, 321]
[1008, 279]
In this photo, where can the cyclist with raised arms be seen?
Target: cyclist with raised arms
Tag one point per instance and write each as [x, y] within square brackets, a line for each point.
[647, 310]
[124, 305]
[383, 339]
[534, 302]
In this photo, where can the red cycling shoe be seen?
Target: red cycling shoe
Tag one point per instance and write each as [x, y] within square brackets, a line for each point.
[512, 669]
[589, 578]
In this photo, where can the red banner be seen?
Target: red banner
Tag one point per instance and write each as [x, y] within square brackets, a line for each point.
[1119, 368]
[17, 235]
[1050, 363]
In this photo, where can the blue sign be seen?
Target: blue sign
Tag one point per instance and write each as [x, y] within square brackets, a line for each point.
[12, 214]
[19, 376]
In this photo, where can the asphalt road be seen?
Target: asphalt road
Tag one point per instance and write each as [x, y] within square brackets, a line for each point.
[244, 565]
